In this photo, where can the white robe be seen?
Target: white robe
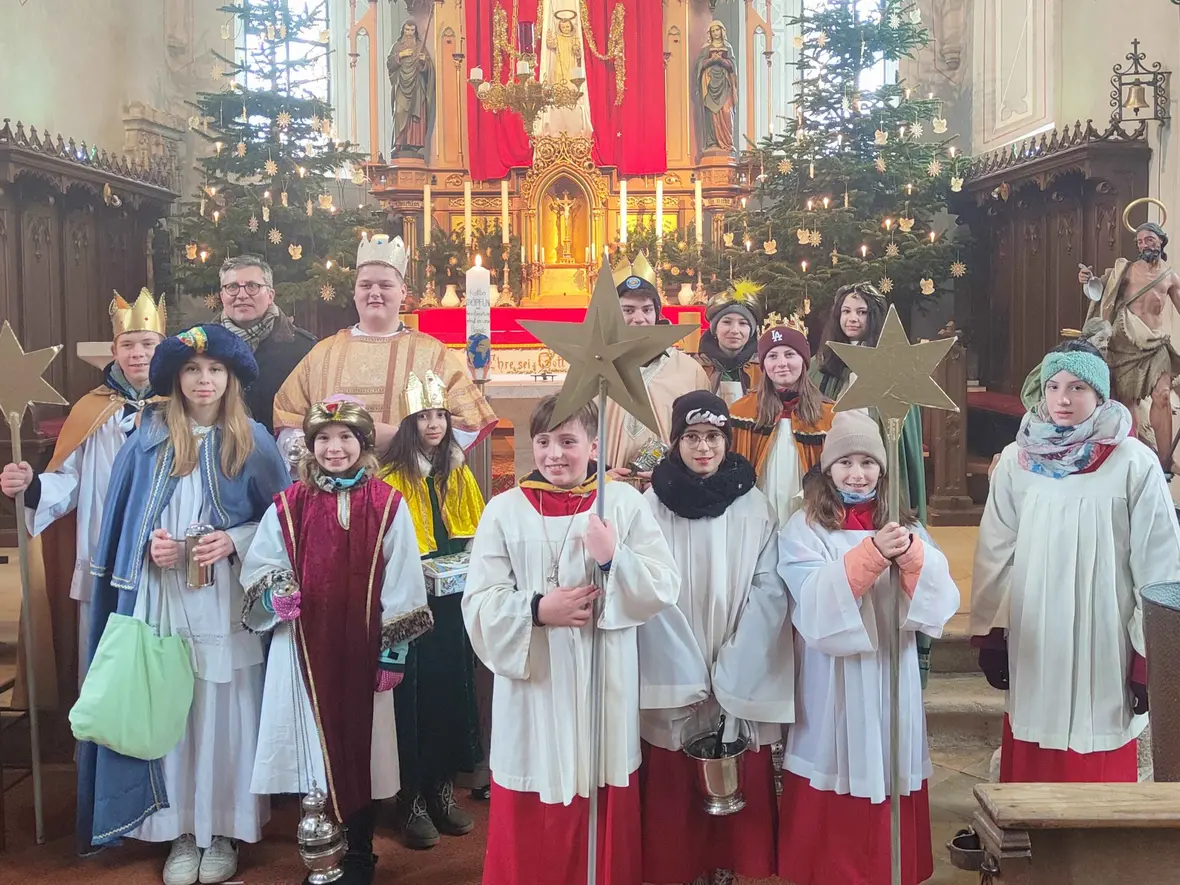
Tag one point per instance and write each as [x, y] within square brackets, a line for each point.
[781, 477]
[81, 483]
[541, 735]
[728, 639]
[207, 774]
[281, 765]
[1060, 564]
[840, 739]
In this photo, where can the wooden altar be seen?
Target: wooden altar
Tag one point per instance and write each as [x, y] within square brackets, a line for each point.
[75, 224]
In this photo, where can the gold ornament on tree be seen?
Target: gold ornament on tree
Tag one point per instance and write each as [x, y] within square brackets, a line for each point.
[785, 167]
[325, 201]
[958, 269]
[309, 208]
[327, 292]
[190, 251]
[241, 149]
[881, 137]
[835, 257]
[956, 184]
[926, 285]
[270, 31]
[266, 213]
[358, 176]
[727, 238]
[885, 285]
[770, 247]
[917, 130]
[879, 165]
[212, 302]
[252, 224]
[821, 39]
[295, 251]
[803, 235]
[934, 169]
[939, 125]
[891, 251]
[271, 167]
[227, 30]
[283, 199]
[797, 41]
[275, 235]
[816, 238]
[905, 224]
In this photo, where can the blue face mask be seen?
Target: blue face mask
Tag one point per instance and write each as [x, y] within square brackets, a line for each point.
[857, 497]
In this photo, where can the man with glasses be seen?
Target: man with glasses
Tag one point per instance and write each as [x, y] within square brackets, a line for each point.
[248, 310]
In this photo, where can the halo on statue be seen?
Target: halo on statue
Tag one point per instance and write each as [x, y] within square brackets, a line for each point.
[565, 15]
[1149, 200]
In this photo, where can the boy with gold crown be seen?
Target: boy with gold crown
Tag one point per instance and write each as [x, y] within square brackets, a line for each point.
[631, 448]
[372, 360]
[74, 484]
[437, 718]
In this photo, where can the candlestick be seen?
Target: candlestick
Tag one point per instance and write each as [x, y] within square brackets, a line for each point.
[700, 214]
[467, 212]
[427, 218]
[623, 211]
[660, 209]
[504, 211]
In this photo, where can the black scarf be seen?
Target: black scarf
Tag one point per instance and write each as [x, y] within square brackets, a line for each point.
[729, 367]
[691, 497]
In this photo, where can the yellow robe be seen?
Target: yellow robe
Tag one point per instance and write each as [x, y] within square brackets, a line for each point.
[461, 505]
[668, 377]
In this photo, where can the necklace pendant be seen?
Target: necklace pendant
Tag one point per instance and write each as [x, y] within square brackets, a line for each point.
[551, 580]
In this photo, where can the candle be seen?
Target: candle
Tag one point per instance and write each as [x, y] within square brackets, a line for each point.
[523, 68]
[660, 209]
[699, 215]
[864, 250]
[932, 236]
[427, 217]
[467, 212]
[536, 254]
[826, 202]
[523, 261]
[504, 211]
[803, 264]
[623, 211]
[479, 305]
[477, 75]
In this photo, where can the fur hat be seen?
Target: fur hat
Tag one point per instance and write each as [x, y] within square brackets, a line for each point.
[700, 407]
[212, 340]
[852, 433]
[784, 336]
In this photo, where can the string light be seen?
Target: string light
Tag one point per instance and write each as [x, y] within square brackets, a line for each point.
[826, 202]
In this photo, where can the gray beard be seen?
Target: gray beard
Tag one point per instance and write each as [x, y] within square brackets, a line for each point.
[1150, 256]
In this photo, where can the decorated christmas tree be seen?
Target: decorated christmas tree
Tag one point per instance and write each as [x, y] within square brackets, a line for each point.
[851, 187]
[275, 174]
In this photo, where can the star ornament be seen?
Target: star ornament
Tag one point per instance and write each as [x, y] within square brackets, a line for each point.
[895, 374]
[21, 383]
[603, 350]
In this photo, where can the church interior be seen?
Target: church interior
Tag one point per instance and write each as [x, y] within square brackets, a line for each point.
[982, 154]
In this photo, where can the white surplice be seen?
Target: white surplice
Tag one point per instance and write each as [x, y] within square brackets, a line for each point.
[541, 734]
[1060, 564]
[207, 774]
[729, 637]
[840, 739]
[781, 477]
[281, 764]
[80, 484]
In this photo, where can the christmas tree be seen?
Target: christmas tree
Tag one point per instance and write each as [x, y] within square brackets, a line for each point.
[850, 188]
[274, 178]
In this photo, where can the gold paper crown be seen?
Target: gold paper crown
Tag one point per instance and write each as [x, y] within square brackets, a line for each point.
[639, 268]
[145, 315]
[382, 250]
[420, 396]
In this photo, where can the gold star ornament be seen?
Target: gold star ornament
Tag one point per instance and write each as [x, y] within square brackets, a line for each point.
[895, 374]
[603, 350]
[21, 382]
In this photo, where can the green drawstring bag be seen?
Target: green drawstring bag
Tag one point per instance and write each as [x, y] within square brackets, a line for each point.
[137, 693]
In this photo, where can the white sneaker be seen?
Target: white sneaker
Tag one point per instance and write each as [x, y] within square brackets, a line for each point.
[219, 862]
[183, 863]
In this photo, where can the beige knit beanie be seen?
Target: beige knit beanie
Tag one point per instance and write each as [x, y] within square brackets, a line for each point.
[852, 433]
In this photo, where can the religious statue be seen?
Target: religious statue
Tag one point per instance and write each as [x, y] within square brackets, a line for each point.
[565, 44]
[715, 91]
[1141, 301]
[562, 214]
[411, 76]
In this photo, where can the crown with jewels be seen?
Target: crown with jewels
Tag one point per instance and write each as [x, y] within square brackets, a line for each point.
[145, 315]
[633, 274]
[424, 393]
[380, 249]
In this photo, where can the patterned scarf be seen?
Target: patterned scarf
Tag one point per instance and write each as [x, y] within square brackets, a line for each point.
[1053, 451]
[253, 334]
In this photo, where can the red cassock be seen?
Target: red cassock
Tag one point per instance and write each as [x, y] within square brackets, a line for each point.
[1023, 762]
[682, 842]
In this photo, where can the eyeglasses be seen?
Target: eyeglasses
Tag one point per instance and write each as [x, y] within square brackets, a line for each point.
[251, 288]
[712, 439]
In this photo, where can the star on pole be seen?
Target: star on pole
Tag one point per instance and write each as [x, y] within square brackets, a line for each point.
[21, 382]
[604, 349]
[895, 374]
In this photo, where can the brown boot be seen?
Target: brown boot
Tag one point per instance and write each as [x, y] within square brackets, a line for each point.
[446, 813]
[418, 832]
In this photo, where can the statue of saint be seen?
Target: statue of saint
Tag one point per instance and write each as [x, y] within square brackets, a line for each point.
[715, 90]
[566, 46]
[411, 76]
[563, 210]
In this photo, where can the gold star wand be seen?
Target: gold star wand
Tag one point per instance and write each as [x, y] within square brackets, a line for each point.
[21, 384]
[892, 378]
[605, 356]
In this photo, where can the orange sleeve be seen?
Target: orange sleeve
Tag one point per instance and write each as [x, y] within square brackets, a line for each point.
[863, 564]
[910, 565]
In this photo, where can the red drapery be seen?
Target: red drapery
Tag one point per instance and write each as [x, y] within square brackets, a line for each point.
[495, 142]
[633, 135]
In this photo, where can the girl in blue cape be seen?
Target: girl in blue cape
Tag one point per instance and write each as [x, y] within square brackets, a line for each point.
[197, 459]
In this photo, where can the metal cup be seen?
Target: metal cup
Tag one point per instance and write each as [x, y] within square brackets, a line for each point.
[197, 575]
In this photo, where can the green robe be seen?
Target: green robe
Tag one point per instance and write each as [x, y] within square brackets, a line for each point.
[911, 474]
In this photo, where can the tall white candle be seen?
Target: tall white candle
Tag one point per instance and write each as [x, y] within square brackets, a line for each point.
[427, 218]
[467, 212]
[700, 214]
[623, 211]
[504, 211]
[660, 209]
[479, 306]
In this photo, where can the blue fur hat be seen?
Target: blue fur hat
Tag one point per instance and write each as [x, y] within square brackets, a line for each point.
[211, 340]
[1090, 367]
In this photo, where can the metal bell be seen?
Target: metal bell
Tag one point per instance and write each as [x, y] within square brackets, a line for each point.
[322, 843]
[1137, 99]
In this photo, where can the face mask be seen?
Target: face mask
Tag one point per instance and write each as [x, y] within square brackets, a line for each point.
[857, 497]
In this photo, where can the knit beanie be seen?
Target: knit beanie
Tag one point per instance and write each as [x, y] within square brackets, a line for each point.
[784, 336]
[852, 433]
[1089, 367]
[714, 314]
[700, 407]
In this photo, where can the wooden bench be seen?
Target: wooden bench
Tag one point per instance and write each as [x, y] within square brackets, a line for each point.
[1079, 834]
